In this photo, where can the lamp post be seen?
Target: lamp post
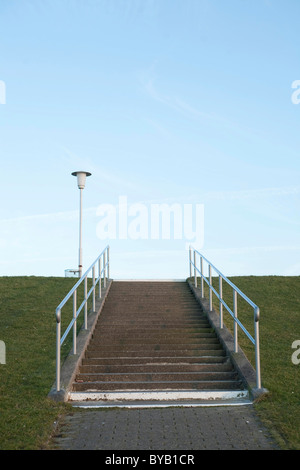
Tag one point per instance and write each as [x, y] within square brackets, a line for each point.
[81, 177]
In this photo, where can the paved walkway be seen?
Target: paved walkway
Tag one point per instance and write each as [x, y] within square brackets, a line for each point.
[198, 428]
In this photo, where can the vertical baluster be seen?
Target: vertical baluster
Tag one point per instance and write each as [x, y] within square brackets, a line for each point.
[221, 297]
[99, 270]
[58, 336]
[104, 270]
[195, 272]
[235, 325]
[94, 290]
[108, 262]
[86, 302]
[210, 286]
[75, 322]
[257, 349]
[202, 280]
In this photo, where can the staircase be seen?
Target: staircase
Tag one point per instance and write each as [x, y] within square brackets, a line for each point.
[153, 343]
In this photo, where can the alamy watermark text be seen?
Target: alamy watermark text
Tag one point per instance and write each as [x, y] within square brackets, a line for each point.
[296, 94]
[296, 354]
[2, 353]
[141, 221]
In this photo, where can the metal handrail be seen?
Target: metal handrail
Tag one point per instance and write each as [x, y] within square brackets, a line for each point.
[234, 314]
[103, 269]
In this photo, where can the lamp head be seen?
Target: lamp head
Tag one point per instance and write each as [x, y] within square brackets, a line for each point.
[81, 177]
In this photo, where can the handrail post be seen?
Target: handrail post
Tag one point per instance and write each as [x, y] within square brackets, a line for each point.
[99, 268]
[235, 326]
[190, 260]
[221, 298]
[108, 262]
[94, 293]
[85, 305]
[58, 335]
[195, 272]
[75, 323]
[100, 280]
[210, 286]
[104, 270]
[257, 349]
[202, 280]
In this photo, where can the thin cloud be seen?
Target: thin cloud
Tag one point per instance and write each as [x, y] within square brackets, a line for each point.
[181, 106]
[175, 103]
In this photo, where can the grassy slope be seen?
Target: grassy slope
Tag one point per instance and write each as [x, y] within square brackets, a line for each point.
[27, 326]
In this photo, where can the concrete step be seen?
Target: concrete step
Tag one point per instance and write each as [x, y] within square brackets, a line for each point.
[153, 339]
[153, 308]
[156, 367]
[156, 333]
[153, 362]
[156, 376]
[159, 349]
[162, 326]
[150, 318]
[163, 385]
[103, 329]
[154, 343]
[156, 353]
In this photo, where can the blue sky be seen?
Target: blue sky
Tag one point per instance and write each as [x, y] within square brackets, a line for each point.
[163, 101]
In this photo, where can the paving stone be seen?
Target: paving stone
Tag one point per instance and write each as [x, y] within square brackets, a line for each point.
[197, 428]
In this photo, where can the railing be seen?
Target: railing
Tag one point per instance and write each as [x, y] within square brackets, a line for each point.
[194, 257]
[103, 272]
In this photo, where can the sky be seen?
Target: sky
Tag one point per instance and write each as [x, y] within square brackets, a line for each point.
[193, 104]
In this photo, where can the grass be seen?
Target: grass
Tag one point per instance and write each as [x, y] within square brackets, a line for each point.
[27, 326]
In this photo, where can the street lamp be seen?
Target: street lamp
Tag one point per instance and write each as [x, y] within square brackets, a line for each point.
[81, 177]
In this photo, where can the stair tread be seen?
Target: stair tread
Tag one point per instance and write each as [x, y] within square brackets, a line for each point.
[160, 377]
[162, 385]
